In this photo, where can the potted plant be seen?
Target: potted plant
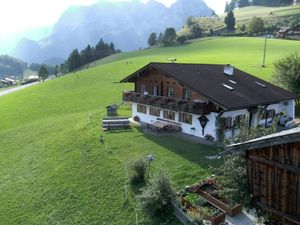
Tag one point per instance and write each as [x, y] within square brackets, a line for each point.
[195, 202]
[215, 196]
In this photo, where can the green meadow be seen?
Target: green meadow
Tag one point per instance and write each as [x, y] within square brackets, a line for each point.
[269, 13]
[53, 170]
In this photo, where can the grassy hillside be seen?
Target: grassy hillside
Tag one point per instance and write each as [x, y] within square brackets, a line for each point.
[53, 170]
[265, 12]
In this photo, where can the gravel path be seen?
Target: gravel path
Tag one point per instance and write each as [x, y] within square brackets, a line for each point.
[8, 91]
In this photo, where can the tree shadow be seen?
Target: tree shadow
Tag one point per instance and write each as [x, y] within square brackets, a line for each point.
[187, 149]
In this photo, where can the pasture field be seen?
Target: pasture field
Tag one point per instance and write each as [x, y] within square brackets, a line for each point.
[53, 170]
[269, 13]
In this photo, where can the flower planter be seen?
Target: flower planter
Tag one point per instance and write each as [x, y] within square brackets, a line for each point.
[215, 220]
[225, 207]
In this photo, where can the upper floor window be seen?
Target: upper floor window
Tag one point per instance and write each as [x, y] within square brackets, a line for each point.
[186, 93]
[155, 90]
[170, 92]
[142, 109]
[143, 88]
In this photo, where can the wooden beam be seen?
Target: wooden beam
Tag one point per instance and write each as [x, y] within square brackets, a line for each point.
[279, 213]
[292, 169]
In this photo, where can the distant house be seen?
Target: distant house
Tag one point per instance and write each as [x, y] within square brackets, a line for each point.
[8, 81]
[289, 32]
[191, 97]
[273, 172]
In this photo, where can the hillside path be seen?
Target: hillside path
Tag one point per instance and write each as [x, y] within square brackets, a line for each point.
[8, 91]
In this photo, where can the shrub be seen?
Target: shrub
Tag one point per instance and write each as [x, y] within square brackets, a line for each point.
[138, 170]
[232, 179]
[181, 40]
[287, 72]
[157, 197]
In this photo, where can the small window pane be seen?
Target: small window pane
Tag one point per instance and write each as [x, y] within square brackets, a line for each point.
[185, 118]
[142, 109]
[169, 115]
[154, 112]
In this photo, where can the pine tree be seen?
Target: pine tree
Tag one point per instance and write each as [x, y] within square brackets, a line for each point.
[152, 40]
[56, 71]
[74, 61]
[243, 3]
[112, 48]
[160, 38]
[230, 21]
[226, 7]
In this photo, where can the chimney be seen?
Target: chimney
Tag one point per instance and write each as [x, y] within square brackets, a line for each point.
[228, 70]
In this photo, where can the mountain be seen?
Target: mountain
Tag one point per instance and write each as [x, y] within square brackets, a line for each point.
[126, 24]
[10, 66]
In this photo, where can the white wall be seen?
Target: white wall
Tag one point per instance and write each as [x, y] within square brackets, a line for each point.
[186, 128]
[287, 106]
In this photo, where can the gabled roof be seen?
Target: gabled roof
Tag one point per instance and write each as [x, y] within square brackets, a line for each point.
[283, 137]
[241, 90]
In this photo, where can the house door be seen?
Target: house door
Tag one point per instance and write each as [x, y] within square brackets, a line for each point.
[161, 88]
[155, 90]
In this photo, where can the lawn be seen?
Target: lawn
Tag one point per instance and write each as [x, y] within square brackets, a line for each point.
[247, 13]
[53, 170]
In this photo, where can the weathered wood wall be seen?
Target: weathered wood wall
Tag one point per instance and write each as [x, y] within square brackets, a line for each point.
[274, 180]
[153, 77]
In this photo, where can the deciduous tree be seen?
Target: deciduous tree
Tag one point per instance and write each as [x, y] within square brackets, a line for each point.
[43, 72]
[287, 73]
[256, 25]
[169, 36]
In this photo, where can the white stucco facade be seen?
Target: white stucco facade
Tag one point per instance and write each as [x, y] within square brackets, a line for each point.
[286, 108]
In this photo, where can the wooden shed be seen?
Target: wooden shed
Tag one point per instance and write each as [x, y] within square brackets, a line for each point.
[273, 170]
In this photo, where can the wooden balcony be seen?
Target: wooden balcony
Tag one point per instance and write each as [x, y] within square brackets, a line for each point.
[168, 103]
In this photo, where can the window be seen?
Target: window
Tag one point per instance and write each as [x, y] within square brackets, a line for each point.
[154, 112]
[238, 119]
[228, 122]
[186, 93]
[169, 115]
[269, 114]
[185, 118]
[143, 88]
[155, 90]
[142, 109]
[170, 92]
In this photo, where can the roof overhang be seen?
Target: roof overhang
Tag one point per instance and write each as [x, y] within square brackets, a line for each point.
[283, 137]
[130, 79]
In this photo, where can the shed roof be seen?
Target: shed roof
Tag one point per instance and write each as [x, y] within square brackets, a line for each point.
[241, 90]
[283, 137]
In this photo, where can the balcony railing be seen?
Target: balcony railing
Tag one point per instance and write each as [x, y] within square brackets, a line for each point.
[169, 103]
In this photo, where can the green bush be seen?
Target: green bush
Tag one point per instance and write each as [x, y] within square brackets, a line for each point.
[157, 197]
[138, 170]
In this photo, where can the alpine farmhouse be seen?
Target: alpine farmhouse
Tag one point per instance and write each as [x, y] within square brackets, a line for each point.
[192, 96]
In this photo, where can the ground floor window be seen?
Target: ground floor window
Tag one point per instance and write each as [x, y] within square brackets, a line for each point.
[142, 109]
[239, 119]
[185, 118]
[228, 122]
[170, 115]
[269, 114]
[154, 112]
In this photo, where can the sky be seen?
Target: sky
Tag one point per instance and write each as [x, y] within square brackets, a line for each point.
[17, 16]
